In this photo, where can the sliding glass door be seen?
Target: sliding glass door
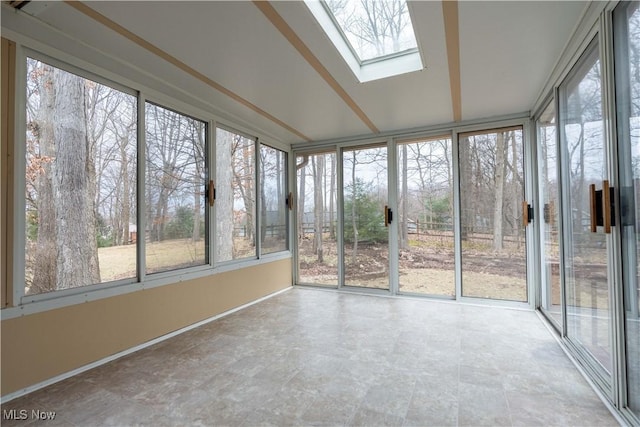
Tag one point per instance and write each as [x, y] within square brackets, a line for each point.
[551, 295]
[585, 189]
[627, 65]
[491, 209]
[365, 214]
[426, 259]
[317, 219]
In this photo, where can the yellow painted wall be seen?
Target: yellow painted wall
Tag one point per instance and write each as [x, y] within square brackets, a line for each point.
[40, 346]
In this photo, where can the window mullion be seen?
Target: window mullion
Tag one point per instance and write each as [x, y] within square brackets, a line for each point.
[141, 190]
[257, 194]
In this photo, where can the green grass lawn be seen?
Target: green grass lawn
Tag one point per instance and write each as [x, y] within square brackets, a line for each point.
[119, 262]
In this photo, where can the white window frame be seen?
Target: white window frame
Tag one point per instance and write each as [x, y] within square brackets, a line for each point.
[31, 304]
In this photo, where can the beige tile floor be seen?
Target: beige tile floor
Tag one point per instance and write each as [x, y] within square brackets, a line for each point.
[315, 357]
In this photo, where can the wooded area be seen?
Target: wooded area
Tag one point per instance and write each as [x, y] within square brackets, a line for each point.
[491, 180]
[81, 183]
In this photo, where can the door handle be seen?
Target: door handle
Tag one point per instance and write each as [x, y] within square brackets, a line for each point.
[388, 215]
[211, 193]
[527, 214]
[601, 207]
[607, 209]
[593, 204]
[289, 201]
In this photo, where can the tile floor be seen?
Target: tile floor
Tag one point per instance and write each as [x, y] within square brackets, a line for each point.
[315, 357]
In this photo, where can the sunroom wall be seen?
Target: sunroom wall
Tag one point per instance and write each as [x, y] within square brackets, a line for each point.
[47, 340]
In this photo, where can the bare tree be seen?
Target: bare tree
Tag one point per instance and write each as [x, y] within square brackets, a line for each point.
[45, 250]
[317, 163]
[404, 220]
[224, 196]
[376, 27]
[499, 184]
[66, 247]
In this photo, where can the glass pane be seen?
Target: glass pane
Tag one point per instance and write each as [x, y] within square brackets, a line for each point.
[273, 167]
[425, 223]
[174, 182]
[374, 28]
[491, 195]
[366, 247]
[548, 176]
[80, 181]
[235, 196]
[583, 159]
[627, 43]
[317, 219]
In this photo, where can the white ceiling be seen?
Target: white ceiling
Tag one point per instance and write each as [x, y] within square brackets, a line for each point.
[507, 51]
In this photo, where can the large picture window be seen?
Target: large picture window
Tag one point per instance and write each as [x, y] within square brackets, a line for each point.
[80, 181]
[174, 196]
[81, 187]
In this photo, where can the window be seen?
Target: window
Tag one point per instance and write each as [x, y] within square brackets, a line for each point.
[374, 29]
[80, 181]
[375, 38]
[175, 177]
[273, 211]
[81, 187]
[235, 196]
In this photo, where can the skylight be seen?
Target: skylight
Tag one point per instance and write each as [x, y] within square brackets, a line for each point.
[375, 37]
[374, 28]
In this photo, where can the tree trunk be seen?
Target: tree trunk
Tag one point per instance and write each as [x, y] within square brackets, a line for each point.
[404, 226]
[197, 204]
[198, 180]
[263, 202]
[354, 222]
[301, 195]
[318, 206]
[247, 187]
[465, 194]
[518, 193]
[74, 187]
[45, 254]
[224, 197]
[498, 207]
[332, 195]
[280, 186]
[126, 207]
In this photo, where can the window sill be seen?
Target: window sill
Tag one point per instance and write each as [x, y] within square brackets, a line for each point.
[54, 300]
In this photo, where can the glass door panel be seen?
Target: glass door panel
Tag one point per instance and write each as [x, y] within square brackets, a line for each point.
[547, 144]
[366, 236]
[582, 151]
[491, 195]
[425, 220]
[317, 219]
[627, 46]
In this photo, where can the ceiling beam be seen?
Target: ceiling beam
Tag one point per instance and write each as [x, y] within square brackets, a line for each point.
[272, 15]
[452, 35]
[93, 14]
